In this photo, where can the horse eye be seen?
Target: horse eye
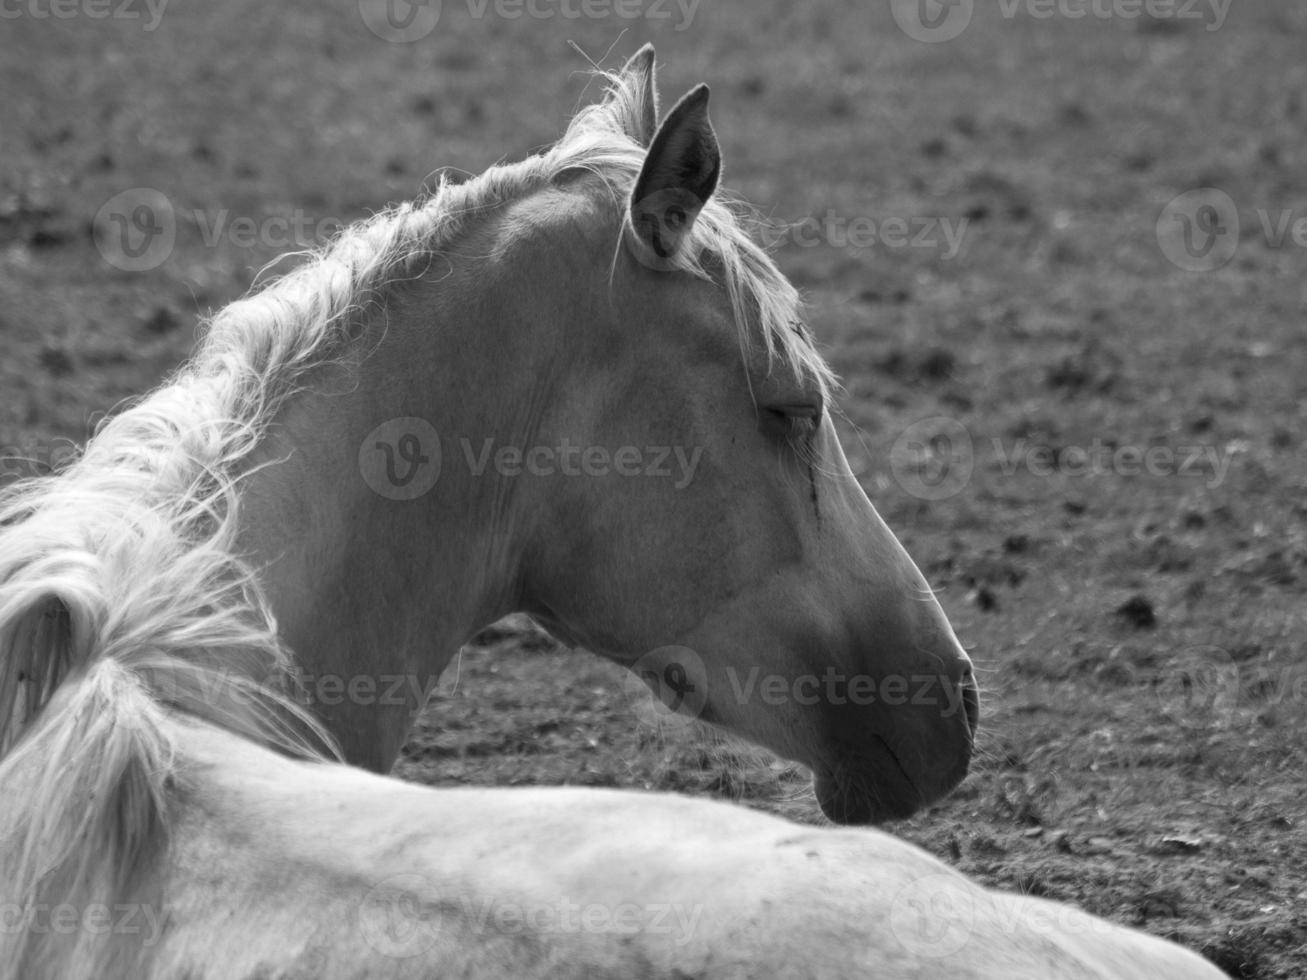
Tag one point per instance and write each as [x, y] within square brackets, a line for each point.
[805, 407]
[798, 422]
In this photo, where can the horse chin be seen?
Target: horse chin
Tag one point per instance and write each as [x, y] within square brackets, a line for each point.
[872, 796]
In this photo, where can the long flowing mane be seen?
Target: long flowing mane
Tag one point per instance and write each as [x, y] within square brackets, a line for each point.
[122, 595]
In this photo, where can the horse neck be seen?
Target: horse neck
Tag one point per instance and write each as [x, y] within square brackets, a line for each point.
[371, 588]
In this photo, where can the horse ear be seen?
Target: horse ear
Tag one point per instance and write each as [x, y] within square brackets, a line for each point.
[680, 173]
[642, 77]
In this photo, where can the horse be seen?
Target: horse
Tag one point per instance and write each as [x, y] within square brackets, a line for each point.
[574, 386]
[143, 841]
[174, 809]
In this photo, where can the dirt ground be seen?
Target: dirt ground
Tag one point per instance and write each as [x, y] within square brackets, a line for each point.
[1086, 427]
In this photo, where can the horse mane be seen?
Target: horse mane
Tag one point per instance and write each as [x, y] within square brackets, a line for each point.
[121, 598]
[122, 595]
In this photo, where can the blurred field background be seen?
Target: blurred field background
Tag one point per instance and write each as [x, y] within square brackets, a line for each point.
[1141, 634]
